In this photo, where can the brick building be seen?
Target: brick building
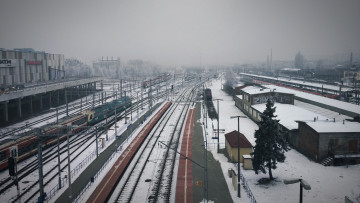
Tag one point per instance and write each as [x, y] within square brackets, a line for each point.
[321, 139]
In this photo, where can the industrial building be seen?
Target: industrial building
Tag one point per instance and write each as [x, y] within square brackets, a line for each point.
[32, 81]
[22, 66]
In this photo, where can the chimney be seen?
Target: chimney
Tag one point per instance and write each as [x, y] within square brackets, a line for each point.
[314, 119]
[334, 120]
[343, 122]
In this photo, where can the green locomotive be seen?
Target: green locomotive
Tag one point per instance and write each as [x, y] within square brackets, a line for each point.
[99, 113]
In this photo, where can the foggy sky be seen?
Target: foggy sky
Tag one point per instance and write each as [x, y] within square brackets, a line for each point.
[183, 32]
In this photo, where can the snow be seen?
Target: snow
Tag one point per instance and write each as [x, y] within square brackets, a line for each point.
[328, 184]
[77, 165]
[320, 99]
[322, 111]
[288, 119]
[327, 126]
[301, 82]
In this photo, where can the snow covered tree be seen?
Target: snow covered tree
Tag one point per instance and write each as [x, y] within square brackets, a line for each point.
[270, 142]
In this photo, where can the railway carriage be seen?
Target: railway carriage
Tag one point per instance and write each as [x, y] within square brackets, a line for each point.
[99, 113]
[26, 144]
[208, 95]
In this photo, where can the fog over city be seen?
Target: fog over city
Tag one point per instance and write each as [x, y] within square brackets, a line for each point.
[184, 32]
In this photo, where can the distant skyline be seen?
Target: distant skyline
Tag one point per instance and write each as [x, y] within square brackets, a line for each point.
[184, 32]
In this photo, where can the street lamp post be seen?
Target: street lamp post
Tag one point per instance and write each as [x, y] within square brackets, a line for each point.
[125, 107]
[238, 117]
[137, 104]
[303, 184]
[69, 162]
[218, 118]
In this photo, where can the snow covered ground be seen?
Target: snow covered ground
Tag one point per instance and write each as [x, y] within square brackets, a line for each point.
[328, 184]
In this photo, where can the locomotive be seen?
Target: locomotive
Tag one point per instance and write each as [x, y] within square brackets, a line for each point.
[208, 96]
[26, 145]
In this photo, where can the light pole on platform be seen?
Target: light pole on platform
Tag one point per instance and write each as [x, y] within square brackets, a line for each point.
[218, 118]
[238, 118]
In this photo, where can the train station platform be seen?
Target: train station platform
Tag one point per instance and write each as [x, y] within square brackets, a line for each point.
[37, 97]
[217, 188]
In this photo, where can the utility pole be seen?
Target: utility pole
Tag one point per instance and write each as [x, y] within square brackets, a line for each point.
[150, 95]
[121, 88]
[218, 120]
[41, 183]
[238, 118]
[58, 156]
[67, 105]
[125, 107]
[69, 170]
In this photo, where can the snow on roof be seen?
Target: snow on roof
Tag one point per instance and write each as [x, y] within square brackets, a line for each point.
[301, 82]
[250, 88]
[288, 114]
[320, 99]
[257, 90]
[247, 156]
[291, 69]
[238, 85]
[328, 126]
[232, 138]
[239, 96]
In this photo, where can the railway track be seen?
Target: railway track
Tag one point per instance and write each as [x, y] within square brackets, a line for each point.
[85, 139]
[29, 192]
[153, 166]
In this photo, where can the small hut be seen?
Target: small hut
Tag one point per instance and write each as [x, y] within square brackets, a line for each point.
[231, 144]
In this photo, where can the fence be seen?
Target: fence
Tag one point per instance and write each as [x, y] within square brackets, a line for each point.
[246, 187]
[73, 172]
[87, 161]
[118, 149]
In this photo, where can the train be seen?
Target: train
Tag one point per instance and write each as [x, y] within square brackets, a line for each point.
[209, 103]
[157, 80]
[208, 95]
[26, 145]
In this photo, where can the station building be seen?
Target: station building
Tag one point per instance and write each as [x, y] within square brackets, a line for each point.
[22, 66]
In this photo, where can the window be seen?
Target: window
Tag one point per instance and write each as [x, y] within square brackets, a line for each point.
[11, 71]
[2, 155]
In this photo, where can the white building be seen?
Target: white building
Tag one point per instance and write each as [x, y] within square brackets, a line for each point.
[21, 66]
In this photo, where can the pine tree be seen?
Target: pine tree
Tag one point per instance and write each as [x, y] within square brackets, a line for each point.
[270, 142]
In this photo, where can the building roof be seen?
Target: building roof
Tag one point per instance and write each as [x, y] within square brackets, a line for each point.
[257, 90]
[238, 85]
[320, 99]
[232, 138]
[288, 114]
[329, 126]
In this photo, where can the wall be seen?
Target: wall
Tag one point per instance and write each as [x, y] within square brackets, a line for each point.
[308, 140]
[29, 67]
[342, 143]
[234, 153]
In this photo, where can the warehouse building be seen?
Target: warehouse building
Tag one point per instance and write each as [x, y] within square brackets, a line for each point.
[22, 66]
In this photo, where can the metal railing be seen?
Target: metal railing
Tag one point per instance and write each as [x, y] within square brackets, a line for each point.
[246, 187]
